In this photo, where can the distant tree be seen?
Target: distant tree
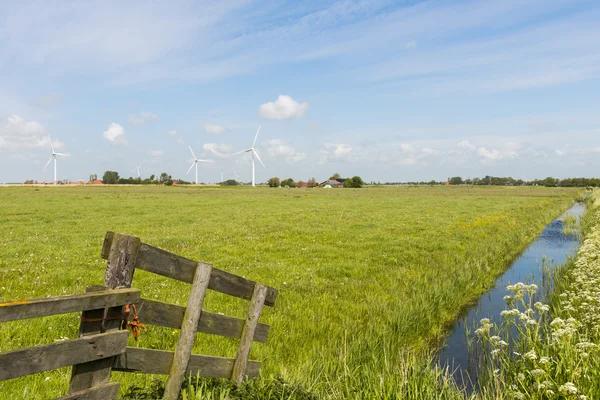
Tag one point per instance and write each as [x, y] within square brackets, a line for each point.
[110, 177]
[358, 181]
[335, 177]
[289, 182]
[274, 182]
[550, 182]
[230, 182]
[152, 177]
[312, 182]
[93, 177]
[456, 180]
[164, 178]
[354, 182]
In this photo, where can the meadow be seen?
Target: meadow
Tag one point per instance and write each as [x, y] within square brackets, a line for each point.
[369, 279]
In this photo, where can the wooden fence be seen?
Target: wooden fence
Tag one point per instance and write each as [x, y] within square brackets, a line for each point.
[102, 346]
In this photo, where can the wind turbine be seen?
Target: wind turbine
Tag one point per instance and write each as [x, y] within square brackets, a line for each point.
[53, 157]
[254, 154]
[235, 175]
[195, 162]
[137, 169]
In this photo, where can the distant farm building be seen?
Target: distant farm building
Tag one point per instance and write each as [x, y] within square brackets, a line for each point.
[95, 182]
[332, 183]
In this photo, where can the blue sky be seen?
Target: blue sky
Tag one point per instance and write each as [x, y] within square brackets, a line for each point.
[391, 91]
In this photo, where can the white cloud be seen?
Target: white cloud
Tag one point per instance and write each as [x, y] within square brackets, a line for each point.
[217, 150]
[407, 147]
[335, 152]
[16, 133]
[465, 144]
[214, 129]
[277, 148]
[157, 153]
[494, 155]
[178, 139]
[283, 108]
[115, 134]
[410, 45]
[142, 118]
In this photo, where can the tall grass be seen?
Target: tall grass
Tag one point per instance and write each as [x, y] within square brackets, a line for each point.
[370, 280]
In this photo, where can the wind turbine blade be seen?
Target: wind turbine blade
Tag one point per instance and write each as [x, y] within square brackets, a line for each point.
[240, 152]
[192, 152]
[62, 154]
[50, 140]
[256, 136]
[48, 163]
[256, 154]
[205, 160]
[192, 166]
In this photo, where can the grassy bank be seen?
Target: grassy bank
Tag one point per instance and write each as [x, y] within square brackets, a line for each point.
[369, 278]
[556, 354]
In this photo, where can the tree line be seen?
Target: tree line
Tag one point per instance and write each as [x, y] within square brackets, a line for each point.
[509, 181]
[113, 178]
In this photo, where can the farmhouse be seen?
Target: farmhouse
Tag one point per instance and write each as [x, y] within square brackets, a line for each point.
[332, 182]
[95, 182]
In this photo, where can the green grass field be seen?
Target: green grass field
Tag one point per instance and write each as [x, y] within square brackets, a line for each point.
[368, 278]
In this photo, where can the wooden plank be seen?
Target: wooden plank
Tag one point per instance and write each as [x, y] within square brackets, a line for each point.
[172, 266]
[183, 351]
[108, 239]
[148, 361]
[14, 364]
[107, 391]
[122, 257]
[34, 308]
[170, 316]
[241, 359]
[93, 373]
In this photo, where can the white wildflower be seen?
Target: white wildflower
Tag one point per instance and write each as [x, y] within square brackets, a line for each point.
[531, 356]
[568, 389]
[544, 360]
[536, 373]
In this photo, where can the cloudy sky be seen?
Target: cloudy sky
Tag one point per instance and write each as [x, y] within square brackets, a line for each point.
[391, 91]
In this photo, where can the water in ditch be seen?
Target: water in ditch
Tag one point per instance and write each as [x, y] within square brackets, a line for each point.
[551, 248]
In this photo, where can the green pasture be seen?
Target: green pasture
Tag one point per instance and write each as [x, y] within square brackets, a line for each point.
[369, 279]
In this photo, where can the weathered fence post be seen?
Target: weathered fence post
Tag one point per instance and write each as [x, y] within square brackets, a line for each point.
[241, 359]
[187, 334]
[122, 251]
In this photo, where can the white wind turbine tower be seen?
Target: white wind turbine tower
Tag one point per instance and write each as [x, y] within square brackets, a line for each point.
[137, 169]
[53, 157]
[254, 154]
[195, 162]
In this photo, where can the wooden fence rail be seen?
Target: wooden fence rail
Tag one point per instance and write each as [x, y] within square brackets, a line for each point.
[102, 346]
